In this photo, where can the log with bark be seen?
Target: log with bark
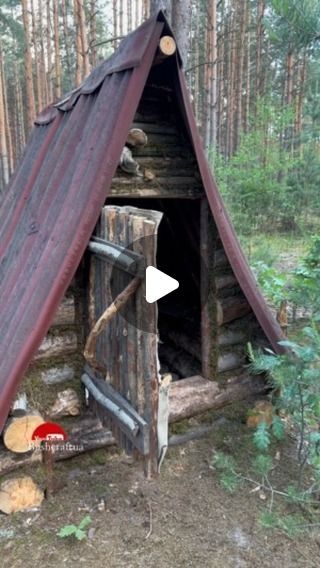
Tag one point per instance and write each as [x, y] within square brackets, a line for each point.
[65, 314]
[57, 345]
[195, 395]
[57, 374]
[232, 308]
[67, 404]
[178, 360]
[192, 346]
[86, 434]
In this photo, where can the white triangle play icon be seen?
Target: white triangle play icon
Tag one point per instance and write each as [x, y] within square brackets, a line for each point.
[158, 284]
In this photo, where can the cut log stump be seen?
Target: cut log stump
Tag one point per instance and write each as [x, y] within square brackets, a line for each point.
[66, 404]
[17, 435]
[19, 494]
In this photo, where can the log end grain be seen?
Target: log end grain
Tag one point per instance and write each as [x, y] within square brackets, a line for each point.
[17, 435]
[19, 494]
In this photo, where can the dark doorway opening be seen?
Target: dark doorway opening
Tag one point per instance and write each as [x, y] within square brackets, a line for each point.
[178, 254]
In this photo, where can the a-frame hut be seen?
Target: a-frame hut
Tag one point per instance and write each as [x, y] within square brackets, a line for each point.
[69, 207]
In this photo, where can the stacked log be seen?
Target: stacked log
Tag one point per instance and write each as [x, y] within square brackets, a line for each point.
[236, 323]
[58, 363]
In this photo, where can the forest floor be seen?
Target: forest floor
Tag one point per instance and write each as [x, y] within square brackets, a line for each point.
[184, 518]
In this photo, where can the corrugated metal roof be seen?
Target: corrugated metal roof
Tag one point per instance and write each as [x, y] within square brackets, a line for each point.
[54, 200]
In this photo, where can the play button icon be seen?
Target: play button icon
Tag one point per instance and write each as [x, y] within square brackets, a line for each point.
[158, 284]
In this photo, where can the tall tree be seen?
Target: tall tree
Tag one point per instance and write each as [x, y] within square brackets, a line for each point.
[28, 65]
[4, 160]
[164, 5]
[49, 49]
[181, 23]
[57, 53]
[83, 37]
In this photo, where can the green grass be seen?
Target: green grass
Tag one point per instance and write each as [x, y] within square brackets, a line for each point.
[268, 248]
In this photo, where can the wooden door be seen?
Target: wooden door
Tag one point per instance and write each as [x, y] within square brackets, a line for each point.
[124, 362]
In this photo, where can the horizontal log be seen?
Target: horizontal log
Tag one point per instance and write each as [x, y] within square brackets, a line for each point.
[58, 374]
[225, 281]
[178, 360]
[230, 361]
[226, 361]
[220, 259]
[86, 434]
[146, 115]
[190, 344]
[155, 128]
[191, 396]
[65, 314]
[164, 151]
[166, 181]
[196, 432]
[228, 337]
[57, 345]
[195, 395]
[232, 308]
[157, 192]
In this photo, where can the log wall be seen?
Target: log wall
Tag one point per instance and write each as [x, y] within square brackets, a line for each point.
[58, 362]
[236, 323]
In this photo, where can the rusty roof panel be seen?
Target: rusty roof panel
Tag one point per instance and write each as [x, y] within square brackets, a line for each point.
[53, 203]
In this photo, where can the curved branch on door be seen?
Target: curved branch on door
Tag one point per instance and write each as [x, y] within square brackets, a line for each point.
[108, 314]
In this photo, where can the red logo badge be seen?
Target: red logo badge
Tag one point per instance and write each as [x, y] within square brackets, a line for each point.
[49, 431]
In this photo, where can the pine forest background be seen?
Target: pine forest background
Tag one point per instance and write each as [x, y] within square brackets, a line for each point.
[252, 68]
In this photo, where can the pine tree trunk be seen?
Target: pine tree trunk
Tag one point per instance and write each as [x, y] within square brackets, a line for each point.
[211, 137]
[230, 84]
[6, 114]
[78, 77]
[247, 71]
[164, 5]
[299, 103]
[43, 75]
[49, 51]
[239, 65]
[38, 98]
[129, 15]
[57, 60]
[93, 33]
[30, 103]
[115, 23]
[4, 161]
[136, 13]
[21, 134]
[220, 61]
[181, 20]
[121, 17]
[83, 38]
[259, 43]
[145, 9]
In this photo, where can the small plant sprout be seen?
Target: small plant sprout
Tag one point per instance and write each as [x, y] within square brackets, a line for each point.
[78, 531]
